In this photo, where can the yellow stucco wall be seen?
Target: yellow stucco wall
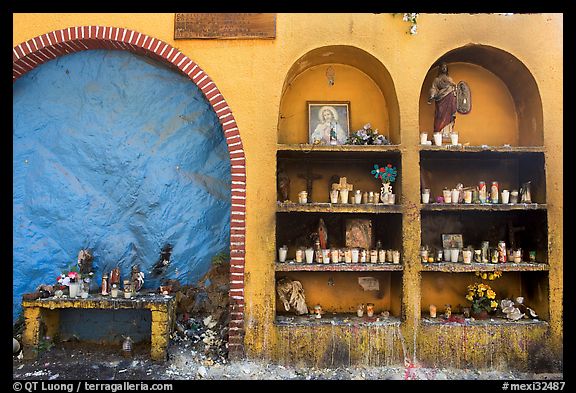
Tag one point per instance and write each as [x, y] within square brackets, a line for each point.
[251, 76]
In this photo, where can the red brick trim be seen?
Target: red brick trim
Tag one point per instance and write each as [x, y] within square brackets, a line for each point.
[38, 50]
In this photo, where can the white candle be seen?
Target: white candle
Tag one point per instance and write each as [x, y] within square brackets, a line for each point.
[309, 255]
[426, 195]
[355, 254]
[334, 196]
[505, 196]
[282, 251]
[454, 252]
[467, 256]
[423, 138]
[344, 196]
[455, 195]
[454, 138]
[468, 196]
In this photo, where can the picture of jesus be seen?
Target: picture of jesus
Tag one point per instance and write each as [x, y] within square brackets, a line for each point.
[328, 124]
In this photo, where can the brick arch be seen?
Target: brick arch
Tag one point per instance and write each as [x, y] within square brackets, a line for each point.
[38, 50]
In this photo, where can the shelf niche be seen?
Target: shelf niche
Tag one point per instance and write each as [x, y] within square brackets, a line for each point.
[340, 292]
[293, 229]
[441, 169]
[355, 167]
[506, 107]
[441, 288]
[477, 226]
[359, 78]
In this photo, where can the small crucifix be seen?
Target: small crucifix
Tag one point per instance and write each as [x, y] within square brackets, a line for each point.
[342, 185]
[309, 177]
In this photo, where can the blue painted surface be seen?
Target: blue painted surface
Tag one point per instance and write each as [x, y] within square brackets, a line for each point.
[116, 153]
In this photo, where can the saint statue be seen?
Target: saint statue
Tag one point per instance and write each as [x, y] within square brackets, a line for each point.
[443, 93]
[449, 98]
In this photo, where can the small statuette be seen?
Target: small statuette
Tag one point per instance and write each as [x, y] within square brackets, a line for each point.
[318, 311]
[104, 290]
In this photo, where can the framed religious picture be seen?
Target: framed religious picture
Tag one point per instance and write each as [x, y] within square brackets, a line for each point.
[328, 122]
[452, 241]
[359, 233]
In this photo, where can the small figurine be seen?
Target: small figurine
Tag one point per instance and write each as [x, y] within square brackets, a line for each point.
[137, 278]
[115, 276]
[318, 311]
[85, 261]
[105, 285]
[163, 261]
[322, 234]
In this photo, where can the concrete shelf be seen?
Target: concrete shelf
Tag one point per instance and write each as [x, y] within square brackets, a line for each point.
[336, 267]
[452, 267]
[338, 208]
[478, 149]
[460, 321]
[489, 207]
[307, 148]
[335, 319]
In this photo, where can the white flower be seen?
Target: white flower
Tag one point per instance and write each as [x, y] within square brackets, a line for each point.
[367, 126]
[405, 18]
[414, 29]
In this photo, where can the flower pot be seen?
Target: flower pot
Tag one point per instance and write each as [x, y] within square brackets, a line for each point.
[480, 315]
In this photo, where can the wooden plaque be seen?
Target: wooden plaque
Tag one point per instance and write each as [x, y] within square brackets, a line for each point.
[224, 26]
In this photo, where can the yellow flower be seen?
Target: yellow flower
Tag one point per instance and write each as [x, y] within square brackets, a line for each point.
[491, 276]
[493, 304]
[469, 297]
[484, 275]
[491, 294]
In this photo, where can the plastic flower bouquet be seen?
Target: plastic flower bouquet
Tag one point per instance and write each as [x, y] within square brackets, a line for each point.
[367, 136]
[482, 297]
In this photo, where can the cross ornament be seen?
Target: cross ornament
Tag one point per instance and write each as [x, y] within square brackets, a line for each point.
[342, 185]
[309, 177]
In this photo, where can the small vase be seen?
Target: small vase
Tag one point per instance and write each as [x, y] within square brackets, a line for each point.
[480, 315]
[385, 193]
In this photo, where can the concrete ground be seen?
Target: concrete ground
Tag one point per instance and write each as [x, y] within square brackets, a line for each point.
[188, 361]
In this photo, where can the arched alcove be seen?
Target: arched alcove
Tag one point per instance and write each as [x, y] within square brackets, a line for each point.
[30, 54]
[506, 106]
[359, 78]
